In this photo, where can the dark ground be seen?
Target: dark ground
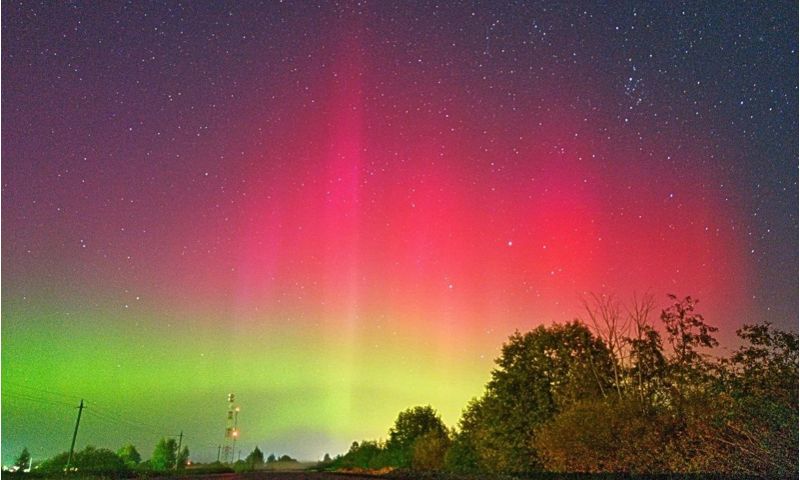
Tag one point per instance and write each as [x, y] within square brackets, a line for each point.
[396, 475]
[405, 475]
[301, 475]
[275, 476]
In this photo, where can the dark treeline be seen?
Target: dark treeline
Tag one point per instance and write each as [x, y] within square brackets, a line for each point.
[127, 462]
[615, 394]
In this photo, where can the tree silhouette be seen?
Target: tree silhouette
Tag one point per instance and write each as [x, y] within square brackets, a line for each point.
[164, 455]
[255, 458]
[411, 425]
[687, 333]
[23, 461]
[182, 458]
[129, 455]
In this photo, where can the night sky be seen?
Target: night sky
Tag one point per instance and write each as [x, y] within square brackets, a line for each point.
[341, 210]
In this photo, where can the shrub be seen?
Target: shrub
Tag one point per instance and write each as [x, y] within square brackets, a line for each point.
[429, 451]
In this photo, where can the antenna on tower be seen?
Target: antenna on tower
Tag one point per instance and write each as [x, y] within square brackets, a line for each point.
[231, 428]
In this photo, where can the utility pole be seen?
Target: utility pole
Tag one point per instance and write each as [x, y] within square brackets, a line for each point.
[178, 453]
[74, 436]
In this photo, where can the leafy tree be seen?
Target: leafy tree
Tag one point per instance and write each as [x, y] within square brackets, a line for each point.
[23, 461]
[55, 464]
[604, 435]
[90, 460]
[767, 363]
[648, 364]
[98, 460]
[362, 454]
[645, 368]
[429, 451]
[129, 455]
[255, 458]
[410, 425]
[182, 458]
[537, 374]
[272, 459]
[687, 333]
[687, 330]
[754, 428]
[367, 454]
[468, 452]
[164, 455]
[461, 456]
[326, 458]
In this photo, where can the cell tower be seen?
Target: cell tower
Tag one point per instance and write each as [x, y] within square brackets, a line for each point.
[231, 428]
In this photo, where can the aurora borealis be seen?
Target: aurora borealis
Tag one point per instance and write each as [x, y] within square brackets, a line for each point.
[338, 210]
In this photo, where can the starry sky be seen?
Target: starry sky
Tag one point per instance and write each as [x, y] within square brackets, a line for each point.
[339, 210]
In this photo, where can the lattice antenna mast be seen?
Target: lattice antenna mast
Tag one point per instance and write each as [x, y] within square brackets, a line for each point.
[231, 428]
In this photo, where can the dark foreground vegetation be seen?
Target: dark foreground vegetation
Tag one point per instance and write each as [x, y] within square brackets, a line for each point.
[615, 394]
[167, 460]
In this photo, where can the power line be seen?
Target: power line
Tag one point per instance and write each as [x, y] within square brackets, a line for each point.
[42, 390]
[119, 423]
[91, 409]
[122, 422]
[101, 413]
[32, 398]
[67, 400]
[107, 410]
[108, 413]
